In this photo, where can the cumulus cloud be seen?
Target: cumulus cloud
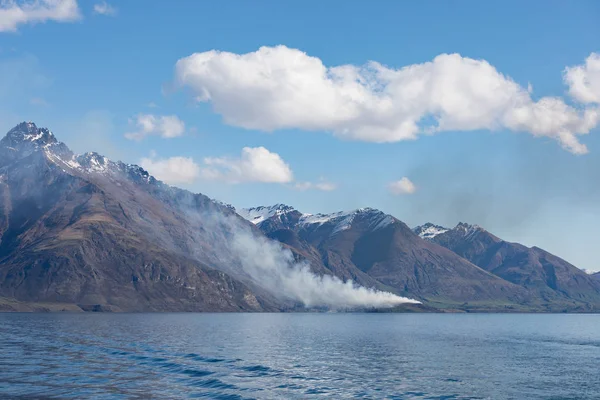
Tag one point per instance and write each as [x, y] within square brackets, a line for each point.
[256, 164]
[584, 80]
[14, 13]
[103, 8]
[172, 170]
[166, 126]
[283, 88]
[403, 186]
[322, 185]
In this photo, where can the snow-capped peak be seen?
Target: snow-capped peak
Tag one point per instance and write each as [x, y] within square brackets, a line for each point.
[28, 132]
[467, 229]
[429, 230]
[26, 138]
[256, 215]
[341, 220]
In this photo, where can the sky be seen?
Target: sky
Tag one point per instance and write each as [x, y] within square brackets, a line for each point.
[443, 112]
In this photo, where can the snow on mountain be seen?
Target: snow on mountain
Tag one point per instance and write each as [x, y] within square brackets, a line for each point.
[462, 229]
[342, 220]
[467, 230]
[429, 230]
[29, 132]
[26, 139]
[257, 215]
[94, 162]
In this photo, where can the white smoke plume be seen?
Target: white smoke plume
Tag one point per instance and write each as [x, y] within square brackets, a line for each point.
[275, 268]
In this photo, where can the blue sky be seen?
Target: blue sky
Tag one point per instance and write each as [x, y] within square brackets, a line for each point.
[104, 81]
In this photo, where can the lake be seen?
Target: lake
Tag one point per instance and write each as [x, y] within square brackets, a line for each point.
[300, 356]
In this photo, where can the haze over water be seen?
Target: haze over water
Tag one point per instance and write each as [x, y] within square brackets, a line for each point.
[297, 356]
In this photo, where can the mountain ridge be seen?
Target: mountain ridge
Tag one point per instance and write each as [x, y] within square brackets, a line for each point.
[66, 212]
[368, 244]
[84, 232]
[531, 267]
[570, 289]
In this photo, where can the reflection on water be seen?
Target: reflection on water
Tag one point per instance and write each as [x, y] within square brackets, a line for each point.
[298, 356]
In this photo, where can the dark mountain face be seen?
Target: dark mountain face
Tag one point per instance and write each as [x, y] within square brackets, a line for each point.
[369, 246]
[551, 278]
[89, 231]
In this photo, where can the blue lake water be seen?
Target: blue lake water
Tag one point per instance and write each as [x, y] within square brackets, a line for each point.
[300, 356]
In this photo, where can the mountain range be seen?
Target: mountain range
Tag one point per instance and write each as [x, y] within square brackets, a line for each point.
[82, 232]
[465, 267]
[549, 277]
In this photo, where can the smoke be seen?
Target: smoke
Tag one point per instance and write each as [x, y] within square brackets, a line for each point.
[275, 269]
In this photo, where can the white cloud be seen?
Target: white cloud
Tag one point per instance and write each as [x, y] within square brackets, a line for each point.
[280, 88]
[584, 80]
[14, 13]
[403, 186]
[256, 164]
[172, 170]
[166, 126]
[103, 8]
[322, 185]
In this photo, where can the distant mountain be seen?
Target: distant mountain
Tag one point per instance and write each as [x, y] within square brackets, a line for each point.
[88, 231]
[429, 230]
[550, 278]
[82, 232]
[279, 222]
[368, 246]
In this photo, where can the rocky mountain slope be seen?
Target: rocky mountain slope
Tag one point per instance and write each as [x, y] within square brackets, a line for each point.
[88, 231]
[367, 245]
[550, 278]
[81, 232]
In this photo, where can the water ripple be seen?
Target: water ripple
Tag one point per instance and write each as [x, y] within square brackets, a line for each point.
[298, 356]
